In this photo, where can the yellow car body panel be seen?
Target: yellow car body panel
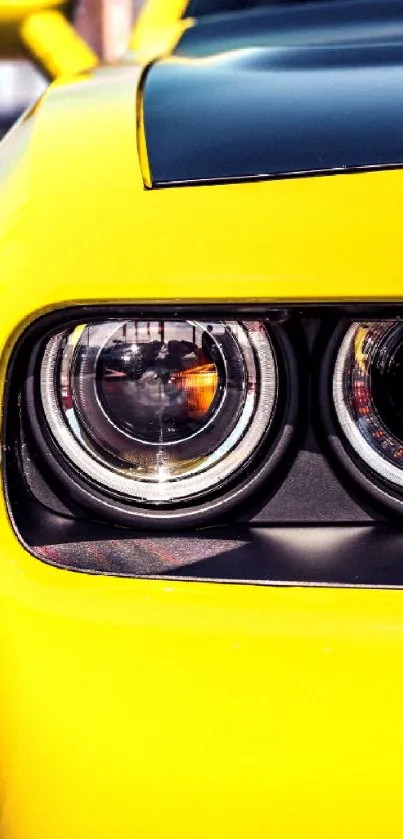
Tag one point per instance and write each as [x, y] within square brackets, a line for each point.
[189, 709]
[146, 708]
[320, 238]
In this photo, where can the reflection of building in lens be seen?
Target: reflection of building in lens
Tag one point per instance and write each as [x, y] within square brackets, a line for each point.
[199, 377]
[200, 385]
[158, 379]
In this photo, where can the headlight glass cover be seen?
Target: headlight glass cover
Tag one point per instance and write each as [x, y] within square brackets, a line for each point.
[159, 412]
[368, 395]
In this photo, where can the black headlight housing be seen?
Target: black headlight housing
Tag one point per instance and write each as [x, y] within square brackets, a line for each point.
[207, 441]
[159, 422]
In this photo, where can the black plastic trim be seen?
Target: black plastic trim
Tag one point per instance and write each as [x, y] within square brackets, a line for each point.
[279, 176]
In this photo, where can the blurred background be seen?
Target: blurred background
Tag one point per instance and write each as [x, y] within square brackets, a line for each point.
[105, 24]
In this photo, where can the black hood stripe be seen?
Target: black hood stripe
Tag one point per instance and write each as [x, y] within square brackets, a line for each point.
[274, 112]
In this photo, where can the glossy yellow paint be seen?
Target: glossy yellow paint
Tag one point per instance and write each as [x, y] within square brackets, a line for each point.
[322, 238]
[176, 710]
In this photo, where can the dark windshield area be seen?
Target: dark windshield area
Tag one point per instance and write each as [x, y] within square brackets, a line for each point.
[200, 8]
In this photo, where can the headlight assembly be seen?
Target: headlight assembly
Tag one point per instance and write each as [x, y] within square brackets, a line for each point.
[158, 420]
[368, 399]
[218, 423]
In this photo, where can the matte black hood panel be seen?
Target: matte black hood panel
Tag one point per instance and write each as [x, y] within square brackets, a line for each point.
[275, 112]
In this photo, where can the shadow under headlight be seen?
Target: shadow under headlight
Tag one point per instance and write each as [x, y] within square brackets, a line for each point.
[366, 555]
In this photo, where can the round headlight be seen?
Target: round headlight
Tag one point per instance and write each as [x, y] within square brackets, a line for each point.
[159, 414]
[368, 396]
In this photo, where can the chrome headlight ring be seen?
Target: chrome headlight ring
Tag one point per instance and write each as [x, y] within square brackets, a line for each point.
[359, 401]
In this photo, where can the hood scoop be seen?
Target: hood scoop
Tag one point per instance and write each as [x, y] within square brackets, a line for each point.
[274, 112]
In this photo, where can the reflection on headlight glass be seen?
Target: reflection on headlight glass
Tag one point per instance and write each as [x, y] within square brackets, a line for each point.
[368, 395]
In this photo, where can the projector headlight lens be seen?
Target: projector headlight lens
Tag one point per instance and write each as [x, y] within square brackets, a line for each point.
[159, 412]
[368, 396]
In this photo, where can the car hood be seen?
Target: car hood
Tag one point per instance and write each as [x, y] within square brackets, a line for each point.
[294, 23]
[275, 110]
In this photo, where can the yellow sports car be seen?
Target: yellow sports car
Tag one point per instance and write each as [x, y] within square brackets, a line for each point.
[201, 521]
